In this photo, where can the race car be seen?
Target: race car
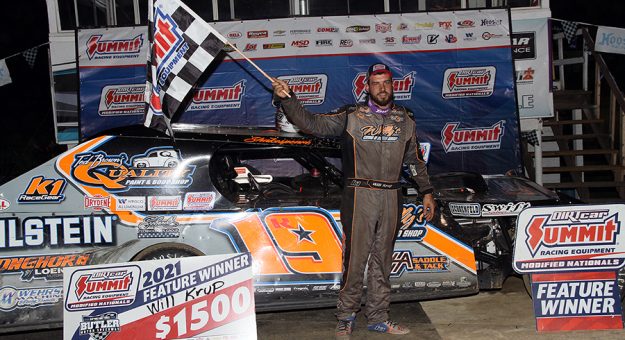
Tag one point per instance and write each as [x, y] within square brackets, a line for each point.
[135, 196]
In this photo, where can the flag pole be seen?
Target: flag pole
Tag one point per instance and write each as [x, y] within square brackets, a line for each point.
[256, 66]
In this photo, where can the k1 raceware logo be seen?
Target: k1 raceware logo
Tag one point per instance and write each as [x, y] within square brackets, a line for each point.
[309, 88]
[122, 100]
[113, 49]
[455, 138]
[402, 87]
[469, 82]
[43, 190]
[218, 98]
[102, 287]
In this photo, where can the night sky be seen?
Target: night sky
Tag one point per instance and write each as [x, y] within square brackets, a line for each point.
[26, 131]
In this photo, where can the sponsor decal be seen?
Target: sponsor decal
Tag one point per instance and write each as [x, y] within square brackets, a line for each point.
[273, 46]
[283, 289]
[160, 167]
[103, 287]
[122, 100]
[199, 200]
[250, 47]
[451, 39]
[432, 38]
[491, 22]
[405, 262]
[234, 35]
[524, 77]
[389, 41]
[97, 202]
[12, 298]
[309, 88]
[524, 45]
[425, 151]
[508, 209]
[157, 226]
[279, 33]
[113, 49]
[424, 25]
[463, 282]
[130, 203]
[300, 43]
[323, 42]
[448, 283]
[412, 227]
[456, 139]
[488, 36]
[367, 41]
[264, 290]
[383, 27]
[301, 289]
[357, 29]
[300, 31]
[434, 284]
[466, 24]
[218, 98]
[57, 231]
[402, 27]
[465, 209]
[327, 29]
[526, 101]
[319, 288]
[47, 267]
[446, 25]
[384, 133]
[257, 34]
[43, 190]
[419, 284]
[346, 43]
[277, 140]
[408, 40]
[169, 47]
[228, 48]
[469, 36]
[164, 203]
[402, 87]
[99, 326]
[469, 82]
[4, 204]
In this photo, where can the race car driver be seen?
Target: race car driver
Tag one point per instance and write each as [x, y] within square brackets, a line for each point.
[377, 137]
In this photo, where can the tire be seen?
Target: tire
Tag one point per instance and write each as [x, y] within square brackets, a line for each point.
[166, 251]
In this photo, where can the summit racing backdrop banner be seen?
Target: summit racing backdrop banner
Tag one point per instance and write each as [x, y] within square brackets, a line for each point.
[571, 238]
[207, 296]
[452, 69]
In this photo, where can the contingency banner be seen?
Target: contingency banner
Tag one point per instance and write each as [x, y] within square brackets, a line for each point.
[452, 69]
[530, 50]
[205, 296]
[610, 39]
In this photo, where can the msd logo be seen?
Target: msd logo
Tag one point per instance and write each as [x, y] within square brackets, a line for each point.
[224, 97]
[98, 47]
[454, 138]
[566, 229]
[402, 88]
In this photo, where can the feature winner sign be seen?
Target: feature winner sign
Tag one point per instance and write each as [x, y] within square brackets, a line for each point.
[204, 296]
[573, 254]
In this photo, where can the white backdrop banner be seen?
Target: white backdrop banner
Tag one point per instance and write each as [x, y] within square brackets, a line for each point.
[610, 39]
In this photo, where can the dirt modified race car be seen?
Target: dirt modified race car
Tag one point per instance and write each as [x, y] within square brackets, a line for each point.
[120, 198]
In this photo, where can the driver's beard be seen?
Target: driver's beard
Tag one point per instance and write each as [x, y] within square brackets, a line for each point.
[381, 103]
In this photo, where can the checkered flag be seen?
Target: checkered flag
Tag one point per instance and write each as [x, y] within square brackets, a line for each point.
[530, 137]
[30, 55]
[570, 29]
[182, 45]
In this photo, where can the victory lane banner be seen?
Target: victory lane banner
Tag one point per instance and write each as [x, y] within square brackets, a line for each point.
[573, 254]
[203, 296]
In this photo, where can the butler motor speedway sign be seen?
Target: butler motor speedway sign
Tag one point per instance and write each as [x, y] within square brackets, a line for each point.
[206, 296]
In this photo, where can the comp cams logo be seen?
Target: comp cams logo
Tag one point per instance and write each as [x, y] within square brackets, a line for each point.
[569, 230]
[43, 190]
[113, 49]
[402, 87]
[102, 287]
[469, 82]
[122, 100]
[309, 88]
[12, 298]
[218, 97]
[454, 138]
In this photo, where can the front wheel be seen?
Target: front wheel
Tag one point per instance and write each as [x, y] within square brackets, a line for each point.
[166, 251]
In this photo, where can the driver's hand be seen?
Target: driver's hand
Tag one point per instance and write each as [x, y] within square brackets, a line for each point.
[280, 88]
[429, 205]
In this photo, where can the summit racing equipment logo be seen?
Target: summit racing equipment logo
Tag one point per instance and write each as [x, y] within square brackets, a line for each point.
[469, 82]
[218, 98]
[471, 139]
[122, 100]
[102, 287]
[47, 267]
[402, 88]
[113, 49]
[169, 47]
[385, 133]
[309, 88]
[571, 229]
[160, 167]
[43, 190]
